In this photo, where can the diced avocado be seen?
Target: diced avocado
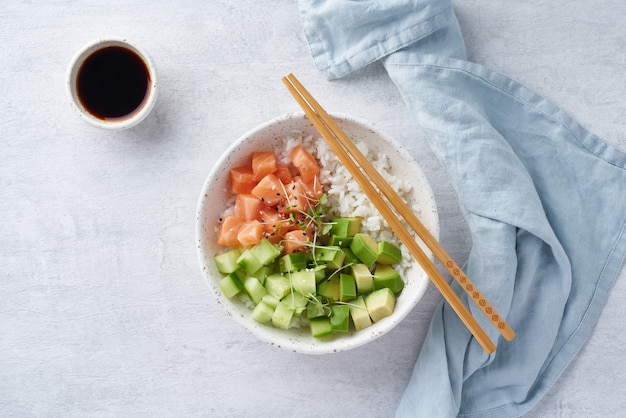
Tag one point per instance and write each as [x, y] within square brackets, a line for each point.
[347, 287]
[292, 262]
[282, 315]
[320, 272]
[365, 248]
[297, 301]
[265, 251]
[227, 262]
[340, 318]
[329, 289]
[363, 278]
[270, 301]
[314, 309]
[387, 276]
[345, 227]
[320, 327]
[350, 257]
[262, 312]
[303, 281]
[332, 256]
[249, 262]
[254, 289]
[262, 273]
[336, 240]
[380, 303]
[277, 285]
[231, 285]
[360, 316]
[388, 253]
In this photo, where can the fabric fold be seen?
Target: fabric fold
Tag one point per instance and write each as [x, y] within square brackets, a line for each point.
[543, 198]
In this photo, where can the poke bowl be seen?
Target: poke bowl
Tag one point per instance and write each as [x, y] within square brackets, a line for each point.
[337, 197]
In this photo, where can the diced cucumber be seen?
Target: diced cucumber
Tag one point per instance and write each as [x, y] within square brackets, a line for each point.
[249, 262]
[388, 253]
[380, 303]
[359, 314]
[227, 262]
[345, 227]
[262, 273]
[387, 276]
[338, 241]
[265, 251]
[292, 262]
[270, 301]
[329, 289]
[254, 289]
[303, 281]
[347, 287]
[282, 315]
[277, 285]
[362, 277]
[262, 312]
[314, 309]
[297, 301]
[231, 285]
[320, 327]
[332, 256]
[339, 318]
[365, 248]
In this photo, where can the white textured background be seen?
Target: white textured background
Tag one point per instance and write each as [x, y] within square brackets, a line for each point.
[103, 309]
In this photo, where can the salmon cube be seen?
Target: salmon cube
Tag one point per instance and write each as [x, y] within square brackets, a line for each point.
[295, 241]
[250, 233]
[247, 207]
[263, 163]
[242, 179]
[305, 163]
[227, 234]
[270, 190]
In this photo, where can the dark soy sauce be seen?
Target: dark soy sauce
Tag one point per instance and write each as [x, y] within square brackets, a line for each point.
[113, 83]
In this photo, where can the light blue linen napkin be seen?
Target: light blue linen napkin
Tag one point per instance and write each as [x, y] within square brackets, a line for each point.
[545, 201]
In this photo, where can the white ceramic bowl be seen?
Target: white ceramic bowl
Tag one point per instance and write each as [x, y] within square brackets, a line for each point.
[214, 197]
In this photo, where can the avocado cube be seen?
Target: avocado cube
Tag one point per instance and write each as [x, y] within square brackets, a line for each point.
[332, 256]
[254, 289]
[265, 251]
[277, 285]
[350, 257]
[380, 303]
[343, 242]
[320, 327]
[345, 227]
[303, 281]
[249, 262]
[262, 313]
[387, 276]
[320, 272]
[329, 289]
[359, 314]
[340, 318]
[292, 262]
[388, 253]
[363, 278]
[227, 262]
[282, 315]
[365, 248]
[315, 309]
[347, 287]
[231, 285]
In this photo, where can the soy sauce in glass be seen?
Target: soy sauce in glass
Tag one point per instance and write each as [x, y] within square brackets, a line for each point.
[113, 83]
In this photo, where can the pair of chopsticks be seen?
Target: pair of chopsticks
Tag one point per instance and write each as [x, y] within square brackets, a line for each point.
[350, 156]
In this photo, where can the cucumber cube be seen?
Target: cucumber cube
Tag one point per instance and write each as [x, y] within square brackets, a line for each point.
[292, 262]
[315, 309]
[380, 303]
[332, 256]
[282, 315]
[265, 251]
[254, 289]
[363, 278]
[345, 227]
[365, 248]
[231, 285]
[359, 314]
[277, 285]
[329, 289]
[262, 273]
[296, 301]
[249, 262]
[227, 262]
[387, 276]
[347, 287]
[262, 313]
[270, 301]
[388, 253]
[303, 281]
[320, 327]
[339, 318]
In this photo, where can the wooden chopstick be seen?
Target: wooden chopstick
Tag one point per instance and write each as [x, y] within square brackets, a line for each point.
[337, 140]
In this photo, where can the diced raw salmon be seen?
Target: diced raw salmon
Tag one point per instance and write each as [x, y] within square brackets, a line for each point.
[227, 234]
[263, 163]
[250, 233]
[295, 241]
[296, 200]
[247, 207]
[270, 190]
[305, 163]
[283, 173]
[242, 179]
[312, 189]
